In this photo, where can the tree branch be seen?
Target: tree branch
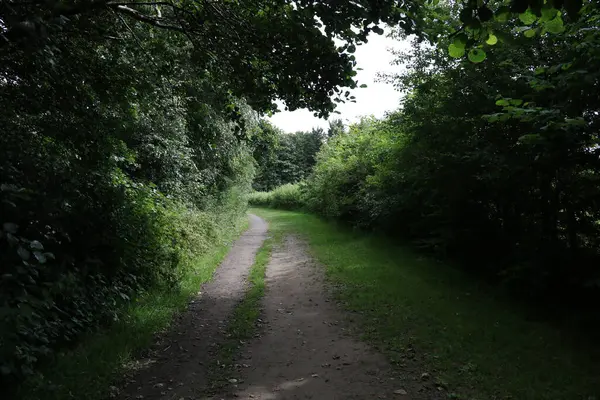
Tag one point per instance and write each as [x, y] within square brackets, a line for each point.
[144, 18]
[142, 3]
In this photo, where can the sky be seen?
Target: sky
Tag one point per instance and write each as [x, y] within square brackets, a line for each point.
[377, 98]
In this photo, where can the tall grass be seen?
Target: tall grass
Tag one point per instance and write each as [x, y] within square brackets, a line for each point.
[286, 197]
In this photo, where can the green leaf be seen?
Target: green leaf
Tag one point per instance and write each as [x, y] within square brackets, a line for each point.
[23, 253]
[527, 17]
[12, 239]
[548, 13]
[515, 102]
[555, 26]
[502, 102]
[530, 138]
[36, 245]
[529, 33]
[40, 257]
[456, 52]
[502, 14]
[492, 39]
[476, 55]
[460, 40]
[364, 85]
[351, 48]
[539, 70]
[579, 121]
[566, 66]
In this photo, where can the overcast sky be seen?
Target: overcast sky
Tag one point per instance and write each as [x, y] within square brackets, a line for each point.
[377, 98]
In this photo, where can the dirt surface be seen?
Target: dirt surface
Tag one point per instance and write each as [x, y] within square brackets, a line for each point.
[305, 352]
[177, 366]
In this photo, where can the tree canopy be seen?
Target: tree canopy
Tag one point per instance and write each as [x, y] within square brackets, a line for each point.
[261, 50]
[492, 163]
[131, 134]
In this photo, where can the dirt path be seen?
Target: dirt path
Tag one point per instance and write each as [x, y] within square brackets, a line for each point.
[177, 366]
[305, 352]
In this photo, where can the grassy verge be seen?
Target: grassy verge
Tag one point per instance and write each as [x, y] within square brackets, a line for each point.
[98, 361]
[470, 337]
[243, 323]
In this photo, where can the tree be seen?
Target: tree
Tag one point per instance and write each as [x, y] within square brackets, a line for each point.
[492, 163]
[336, 128]
[260, 50]
[293, 158]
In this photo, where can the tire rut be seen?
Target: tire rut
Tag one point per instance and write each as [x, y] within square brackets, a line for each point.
[305, 352]
[177, 365]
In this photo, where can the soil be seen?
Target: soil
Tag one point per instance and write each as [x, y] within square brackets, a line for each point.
[304, 350]
[177, 366]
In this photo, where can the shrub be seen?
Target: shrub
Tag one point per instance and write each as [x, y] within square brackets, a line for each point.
[287, 197]
[342, 184]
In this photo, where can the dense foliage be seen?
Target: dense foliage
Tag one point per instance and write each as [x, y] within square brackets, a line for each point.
[494, 163]
[289, 158]
[128, 130]
[262, 50]
[101, 158]
[285, 197]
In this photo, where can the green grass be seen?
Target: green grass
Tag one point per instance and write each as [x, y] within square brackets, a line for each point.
[464, 333]
[99, 360]
[286, 197]
[243, 323]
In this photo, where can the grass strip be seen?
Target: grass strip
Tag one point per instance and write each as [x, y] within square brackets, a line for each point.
[470, 337]
[243, 324]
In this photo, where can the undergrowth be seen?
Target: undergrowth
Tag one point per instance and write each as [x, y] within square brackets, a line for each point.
[88, 370]
[287, 197]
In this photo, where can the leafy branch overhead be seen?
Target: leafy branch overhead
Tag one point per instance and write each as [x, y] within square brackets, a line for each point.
[261, 49]
[485, 23]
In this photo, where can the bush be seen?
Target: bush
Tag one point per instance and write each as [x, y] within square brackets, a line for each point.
[61, 276]
[340, 185]
[59, 281]
[287, 197]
